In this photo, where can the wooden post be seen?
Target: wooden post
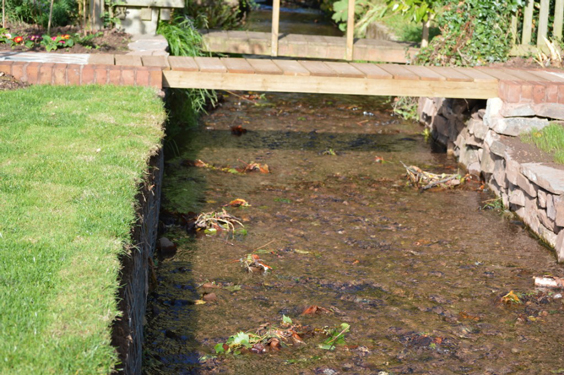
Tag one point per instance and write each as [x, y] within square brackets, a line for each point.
[558, 19]
[3, 14]
[425, 36]
[528, 22]
[350, 30]
[275, 26]
[542, 32]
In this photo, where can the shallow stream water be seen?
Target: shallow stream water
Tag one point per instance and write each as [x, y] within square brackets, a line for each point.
[419, 277]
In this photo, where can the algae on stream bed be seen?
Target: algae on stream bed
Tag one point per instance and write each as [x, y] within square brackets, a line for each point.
[418, 277]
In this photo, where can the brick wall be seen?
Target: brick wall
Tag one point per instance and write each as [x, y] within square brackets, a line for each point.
[76, 74]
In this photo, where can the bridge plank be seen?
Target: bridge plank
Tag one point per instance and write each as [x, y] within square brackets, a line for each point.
[210, 64]
[235, 65]
[344, 69]
[372, 71]
[502, 75]
[451, 74]
[318, 68]
[335, 85]
[424, 73]
[477, 75]
[262, 66]
[291, 68]
[183, 63]
[550, 76]
[526, 76]
[399, 72]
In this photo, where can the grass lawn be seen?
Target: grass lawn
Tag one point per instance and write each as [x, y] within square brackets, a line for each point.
[70, 161]
[549, 139]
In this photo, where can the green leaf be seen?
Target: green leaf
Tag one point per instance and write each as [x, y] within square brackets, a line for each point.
[286, 319]
[241, 339]
[219, 348]
[327, 346]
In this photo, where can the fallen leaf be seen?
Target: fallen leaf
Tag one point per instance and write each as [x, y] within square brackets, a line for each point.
[238, 130]
[238, 203]
[199, 302]
[511, 297]
[379, 159]
[314, 309]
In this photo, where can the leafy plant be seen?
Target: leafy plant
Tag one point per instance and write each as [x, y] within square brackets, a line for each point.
[406, 107]
[184, 39]
[336, 337]
[473, 32]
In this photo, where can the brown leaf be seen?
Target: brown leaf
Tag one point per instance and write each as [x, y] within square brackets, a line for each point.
[274, 343]
[209, 297]
[238, 203]
[238, 130]
[314, 309]
[200, 164]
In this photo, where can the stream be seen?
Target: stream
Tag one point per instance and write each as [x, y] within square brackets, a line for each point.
[365, 274]
[427, 282]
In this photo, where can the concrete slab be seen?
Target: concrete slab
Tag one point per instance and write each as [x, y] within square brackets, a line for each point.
[43, 57]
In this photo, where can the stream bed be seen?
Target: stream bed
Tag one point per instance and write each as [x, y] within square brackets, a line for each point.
[422, 280]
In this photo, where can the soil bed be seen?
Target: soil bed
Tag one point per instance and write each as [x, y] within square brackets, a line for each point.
[423, 279]
[109, 41]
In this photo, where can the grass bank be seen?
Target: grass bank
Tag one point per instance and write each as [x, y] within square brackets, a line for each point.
[70, 162]
[549, 139]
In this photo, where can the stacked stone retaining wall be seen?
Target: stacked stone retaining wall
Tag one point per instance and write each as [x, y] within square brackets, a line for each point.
[485, 138]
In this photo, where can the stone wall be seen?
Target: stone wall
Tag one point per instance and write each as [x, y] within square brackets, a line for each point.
[485, 138]
[136, 271]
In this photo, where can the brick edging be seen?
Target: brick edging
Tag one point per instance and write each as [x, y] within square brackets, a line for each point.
[78, 74]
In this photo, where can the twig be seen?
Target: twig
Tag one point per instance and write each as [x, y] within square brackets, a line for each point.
[242, 97]
[265, 245]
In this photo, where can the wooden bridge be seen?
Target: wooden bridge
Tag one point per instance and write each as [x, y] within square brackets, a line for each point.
[302, 46]
[321, 77]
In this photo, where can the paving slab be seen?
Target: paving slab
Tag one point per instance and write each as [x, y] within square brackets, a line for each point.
[44, 57]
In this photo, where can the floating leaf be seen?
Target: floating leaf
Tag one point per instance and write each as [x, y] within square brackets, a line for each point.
[315, 309]
[511, 297]
[232, 288]
[238, 203]
[238, 130]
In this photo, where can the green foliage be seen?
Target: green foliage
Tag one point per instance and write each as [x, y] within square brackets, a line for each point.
[417, 10]
[550, 139]
[406, 107]
[473, 32]
[37, 11]
[217, 14]
[336, 337]
[184, 39]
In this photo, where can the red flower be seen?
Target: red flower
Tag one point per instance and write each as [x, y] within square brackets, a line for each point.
[18, 39]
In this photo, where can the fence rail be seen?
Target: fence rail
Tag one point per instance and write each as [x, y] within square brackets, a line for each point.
[524, 26]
